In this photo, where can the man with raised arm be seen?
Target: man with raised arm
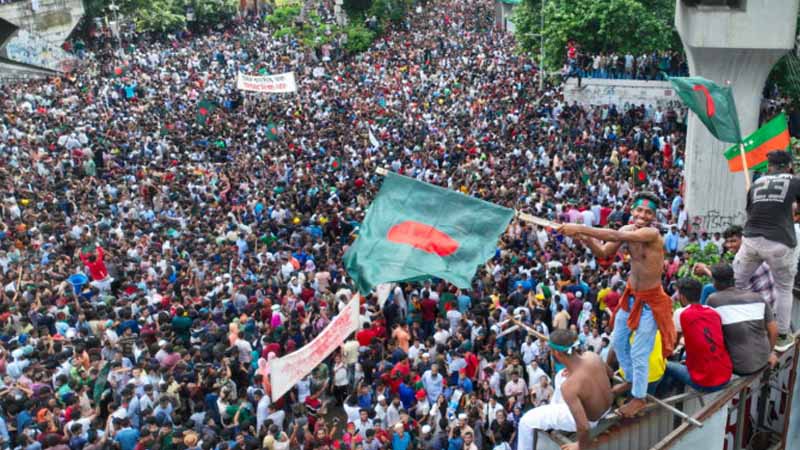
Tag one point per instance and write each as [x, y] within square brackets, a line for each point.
[644, 307]
[580, 401]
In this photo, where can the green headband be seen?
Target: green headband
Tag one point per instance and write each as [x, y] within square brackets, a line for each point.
[646, 202]
[562, 348]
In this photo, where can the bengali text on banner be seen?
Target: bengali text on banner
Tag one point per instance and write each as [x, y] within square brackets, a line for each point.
[286, 371]
[272, 84]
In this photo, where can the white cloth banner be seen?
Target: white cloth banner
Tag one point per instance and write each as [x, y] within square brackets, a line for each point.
[286, 371]
[273, 84]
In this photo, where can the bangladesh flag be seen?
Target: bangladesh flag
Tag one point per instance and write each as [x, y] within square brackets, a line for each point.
[415, 231]
[204, 108]
[773, 135]
[272, 132]
[639, 175]
[713, 105]
[119, 71]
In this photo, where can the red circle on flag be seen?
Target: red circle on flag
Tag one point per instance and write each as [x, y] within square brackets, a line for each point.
[423, 237]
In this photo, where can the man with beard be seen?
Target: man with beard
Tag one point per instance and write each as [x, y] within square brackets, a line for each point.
[644, 306]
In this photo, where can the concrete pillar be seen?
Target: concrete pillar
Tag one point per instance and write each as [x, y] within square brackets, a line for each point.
[737, 45]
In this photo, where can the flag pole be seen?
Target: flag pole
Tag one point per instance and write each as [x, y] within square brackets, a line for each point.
[523, 216]
[744, 164]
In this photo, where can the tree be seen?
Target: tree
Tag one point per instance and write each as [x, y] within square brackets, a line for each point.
[637, 26]
[163, 15]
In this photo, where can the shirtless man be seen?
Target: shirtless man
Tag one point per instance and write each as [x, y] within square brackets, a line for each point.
[581, 400]
[644, 307]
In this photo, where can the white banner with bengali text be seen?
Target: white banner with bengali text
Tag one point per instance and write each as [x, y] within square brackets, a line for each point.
[286, 371]
[271, 84]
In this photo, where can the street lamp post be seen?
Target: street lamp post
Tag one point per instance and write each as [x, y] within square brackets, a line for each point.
[114, 8]
[542, 72]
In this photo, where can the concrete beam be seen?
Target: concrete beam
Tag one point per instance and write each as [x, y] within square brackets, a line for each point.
[729, 46]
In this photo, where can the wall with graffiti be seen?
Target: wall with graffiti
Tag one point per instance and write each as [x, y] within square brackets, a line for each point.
[619, 92]
[29, 48]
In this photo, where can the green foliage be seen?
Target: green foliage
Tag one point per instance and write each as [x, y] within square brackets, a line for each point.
[708, 256]
[214, 11]
[359, 38]
[283, 17]
[158, 15]
[786, 74]
[311, 33]
[163, 15]
[357, 5]
[637, 26]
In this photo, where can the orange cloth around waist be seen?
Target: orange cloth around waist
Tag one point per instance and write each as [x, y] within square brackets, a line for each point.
[661, 305]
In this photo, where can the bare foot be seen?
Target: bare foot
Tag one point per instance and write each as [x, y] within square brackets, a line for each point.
[632, 408]
[619, 389]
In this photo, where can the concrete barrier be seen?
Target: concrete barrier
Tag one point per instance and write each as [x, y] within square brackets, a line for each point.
[595, 91]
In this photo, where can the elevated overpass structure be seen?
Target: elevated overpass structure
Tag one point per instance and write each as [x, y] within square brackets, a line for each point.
[31, 35]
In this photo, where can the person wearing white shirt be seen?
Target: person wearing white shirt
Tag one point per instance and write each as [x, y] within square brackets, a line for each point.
[276, 415]
[363, 423]
[588, 217]
[454, 316]
[262, 408]
[529, 350]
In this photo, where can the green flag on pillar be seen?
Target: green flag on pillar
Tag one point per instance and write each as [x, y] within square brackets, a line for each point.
[415, 231]
[713, 105]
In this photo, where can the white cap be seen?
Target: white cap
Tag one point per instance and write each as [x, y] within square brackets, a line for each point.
[381, 398]
[462, 416]
[162, 343]
[426, 429]
[426, 355]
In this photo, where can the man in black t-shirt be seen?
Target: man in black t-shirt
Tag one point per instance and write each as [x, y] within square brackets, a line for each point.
[769, 236]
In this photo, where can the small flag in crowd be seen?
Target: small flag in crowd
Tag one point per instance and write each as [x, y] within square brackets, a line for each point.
[336, 164]
[639, 175]
[714, 106]
[272, 132]
[373, 140]
[204, 108]
[773, 135]
[119, 71]
[415, 231]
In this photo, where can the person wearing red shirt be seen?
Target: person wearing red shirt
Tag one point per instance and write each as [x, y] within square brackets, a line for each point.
[94, 263]
[365, 336]
[471, 369]
[605, 211]
[97, 269]
[708, 365]
[429, 309]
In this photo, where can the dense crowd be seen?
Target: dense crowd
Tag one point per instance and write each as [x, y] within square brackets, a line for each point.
[624, 65]
[154, 262]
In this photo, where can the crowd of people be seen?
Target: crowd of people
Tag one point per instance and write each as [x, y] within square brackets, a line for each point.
[624, 65]
[154, 260]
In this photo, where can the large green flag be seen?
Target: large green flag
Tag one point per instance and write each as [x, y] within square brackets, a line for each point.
[415, 231]
[713, 105]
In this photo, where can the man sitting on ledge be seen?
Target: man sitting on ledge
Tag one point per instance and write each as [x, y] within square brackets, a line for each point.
[585, 397]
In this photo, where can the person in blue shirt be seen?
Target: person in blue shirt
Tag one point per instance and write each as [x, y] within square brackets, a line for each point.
[671, 240]
[464, 302]
[126, 437]
[401, 439]
[454, 441]
[464, 383]
[406, 393]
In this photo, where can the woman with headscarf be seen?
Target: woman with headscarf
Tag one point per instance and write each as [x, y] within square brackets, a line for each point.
[585, 314]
